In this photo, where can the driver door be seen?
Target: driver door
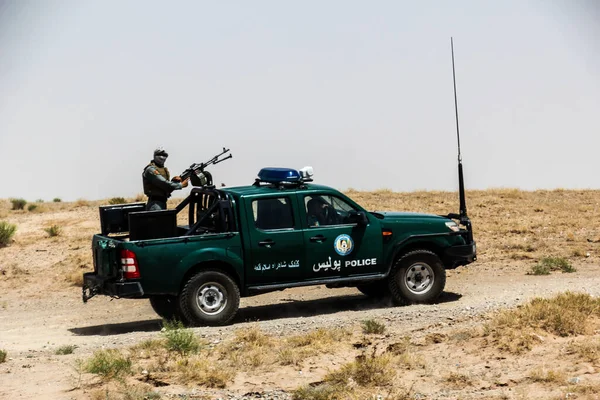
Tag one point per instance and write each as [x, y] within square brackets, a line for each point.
[336, 247]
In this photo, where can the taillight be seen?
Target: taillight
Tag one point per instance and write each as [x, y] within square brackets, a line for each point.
[129, 265]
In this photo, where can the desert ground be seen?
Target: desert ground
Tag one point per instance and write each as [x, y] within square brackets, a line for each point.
[500, 330]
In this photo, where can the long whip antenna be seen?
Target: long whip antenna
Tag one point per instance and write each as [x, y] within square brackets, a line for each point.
[461, 184]
[455, 100]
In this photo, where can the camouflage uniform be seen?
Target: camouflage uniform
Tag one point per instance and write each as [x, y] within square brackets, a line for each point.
[157, 186]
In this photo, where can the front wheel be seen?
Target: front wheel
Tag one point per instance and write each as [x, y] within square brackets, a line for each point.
[210, 298]
[418, 277]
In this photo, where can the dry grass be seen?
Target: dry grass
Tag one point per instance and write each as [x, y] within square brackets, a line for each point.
[73, 266]
[588, 350]
[585, 389]
[367, 371]
[567, 314]
[457, 380]
[14, 271]
[200, 371]
[81, 203]
[295, 349]
[405, 354]
[249, 348]
[124, 391]
[544, 375]
[216, 365]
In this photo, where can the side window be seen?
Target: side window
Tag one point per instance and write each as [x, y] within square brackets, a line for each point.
[273, 213]
[326, 210]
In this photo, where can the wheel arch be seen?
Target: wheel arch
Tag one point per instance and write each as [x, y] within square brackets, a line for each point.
[415, 245]
[215, 265]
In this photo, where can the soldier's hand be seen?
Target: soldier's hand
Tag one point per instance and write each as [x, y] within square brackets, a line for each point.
[176, 179]
[185, 183]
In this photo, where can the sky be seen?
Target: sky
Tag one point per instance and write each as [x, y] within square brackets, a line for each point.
[360, 90]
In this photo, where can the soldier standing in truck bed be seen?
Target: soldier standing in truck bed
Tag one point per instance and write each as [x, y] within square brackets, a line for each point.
[157, 185]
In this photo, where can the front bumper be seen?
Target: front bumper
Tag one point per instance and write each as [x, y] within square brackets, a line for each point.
[456, 256]
[94, 284]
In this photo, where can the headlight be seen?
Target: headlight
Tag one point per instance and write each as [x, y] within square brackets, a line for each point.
[453, 226]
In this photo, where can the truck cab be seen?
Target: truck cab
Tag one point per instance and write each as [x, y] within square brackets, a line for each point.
[282, 231]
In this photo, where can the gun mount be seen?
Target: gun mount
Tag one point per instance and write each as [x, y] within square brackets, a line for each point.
[197, 172]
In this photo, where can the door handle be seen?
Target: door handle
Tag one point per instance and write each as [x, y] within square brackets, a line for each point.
[318, 239]
[267, 243]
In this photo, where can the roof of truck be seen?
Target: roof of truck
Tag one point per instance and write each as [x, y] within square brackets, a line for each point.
[252, 190]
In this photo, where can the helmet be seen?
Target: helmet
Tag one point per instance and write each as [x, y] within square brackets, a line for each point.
[159, 151]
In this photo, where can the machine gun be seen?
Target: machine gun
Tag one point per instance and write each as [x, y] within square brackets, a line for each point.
[198, 176]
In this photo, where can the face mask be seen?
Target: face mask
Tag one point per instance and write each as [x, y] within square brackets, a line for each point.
[160, 161]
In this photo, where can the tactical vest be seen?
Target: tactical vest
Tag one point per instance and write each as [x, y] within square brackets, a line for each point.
[149, 188]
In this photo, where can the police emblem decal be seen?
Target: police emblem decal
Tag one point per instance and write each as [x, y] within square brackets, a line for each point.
[343, 245]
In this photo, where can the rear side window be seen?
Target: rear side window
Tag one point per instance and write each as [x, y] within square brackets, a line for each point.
[275, 213]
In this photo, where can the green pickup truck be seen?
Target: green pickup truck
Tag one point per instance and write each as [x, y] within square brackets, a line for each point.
[281, 232]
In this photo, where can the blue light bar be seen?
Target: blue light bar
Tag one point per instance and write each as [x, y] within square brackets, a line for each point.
[277, 175]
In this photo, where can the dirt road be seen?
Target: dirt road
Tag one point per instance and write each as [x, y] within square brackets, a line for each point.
[32, 327]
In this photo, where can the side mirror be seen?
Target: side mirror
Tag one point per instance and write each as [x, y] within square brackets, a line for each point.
[358, 217]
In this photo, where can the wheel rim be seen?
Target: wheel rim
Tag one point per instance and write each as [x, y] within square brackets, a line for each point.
[419, 278]
[211, 298]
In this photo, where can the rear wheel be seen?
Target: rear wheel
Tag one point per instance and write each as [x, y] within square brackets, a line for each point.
[418, 277]
[210, 298]
[167, 307]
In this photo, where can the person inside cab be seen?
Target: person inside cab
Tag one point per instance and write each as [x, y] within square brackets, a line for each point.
[318, 212]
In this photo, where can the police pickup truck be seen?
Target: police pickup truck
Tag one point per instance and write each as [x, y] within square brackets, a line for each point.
[280, 232]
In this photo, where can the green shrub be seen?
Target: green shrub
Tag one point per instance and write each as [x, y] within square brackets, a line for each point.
[322, 391]
[56, 200]
[31, 207]
[372, 326]
[109, 364]
[39, 201]
[549, 264]
[2, 356]
[66, 349]
[18, 204]
[539, 269]
[7, 230]
[117, 200]
[53, 230]
[179, 339]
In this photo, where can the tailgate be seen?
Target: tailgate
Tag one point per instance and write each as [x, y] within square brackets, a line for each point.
[107, 278]
[105, 251]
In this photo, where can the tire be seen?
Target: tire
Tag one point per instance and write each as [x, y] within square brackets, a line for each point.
[376, 290]
[418, 277]
[167, 307]
[210, 297]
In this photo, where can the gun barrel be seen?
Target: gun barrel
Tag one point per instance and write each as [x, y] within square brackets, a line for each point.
[194, 168]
